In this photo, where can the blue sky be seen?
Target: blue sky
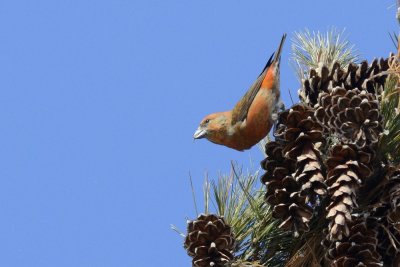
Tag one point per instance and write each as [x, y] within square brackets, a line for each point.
[98, 104]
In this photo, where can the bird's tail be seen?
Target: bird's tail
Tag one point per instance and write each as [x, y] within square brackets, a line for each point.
[275, 57]
[277, 54]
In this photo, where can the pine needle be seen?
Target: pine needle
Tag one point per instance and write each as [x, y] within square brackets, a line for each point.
[240, 263]
[390, 109]
[262, 143]
[394, 38]
[309, 49]
[193, 194]
[174, 228]
[239, 198]
[206, 192]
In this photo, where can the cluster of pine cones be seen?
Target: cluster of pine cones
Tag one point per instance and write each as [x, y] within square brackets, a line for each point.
[324, 171]
[326, 161]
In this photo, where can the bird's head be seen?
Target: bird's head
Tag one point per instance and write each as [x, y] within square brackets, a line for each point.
[212, 127]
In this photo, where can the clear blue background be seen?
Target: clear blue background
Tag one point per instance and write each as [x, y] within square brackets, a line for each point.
[98, 104]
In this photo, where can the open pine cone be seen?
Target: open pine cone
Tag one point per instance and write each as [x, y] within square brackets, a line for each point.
[347, 168]
[283, 191]
[362, 76]
[301, 136]
[209, 241]
[277, 169]
[358, 249]
[352, 115]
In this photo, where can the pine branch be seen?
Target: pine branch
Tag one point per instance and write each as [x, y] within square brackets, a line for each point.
[310, 49]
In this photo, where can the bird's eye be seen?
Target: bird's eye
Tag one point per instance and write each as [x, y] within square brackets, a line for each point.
[207, 121]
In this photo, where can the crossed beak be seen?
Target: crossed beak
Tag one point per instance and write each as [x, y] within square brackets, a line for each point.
[200, 133]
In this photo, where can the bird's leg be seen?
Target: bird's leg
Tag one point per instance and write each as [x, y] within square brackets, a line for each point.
[279, 107]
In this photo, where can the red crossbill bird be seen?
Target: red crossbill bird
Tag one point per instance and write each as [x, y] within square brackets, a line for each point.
[253, 116]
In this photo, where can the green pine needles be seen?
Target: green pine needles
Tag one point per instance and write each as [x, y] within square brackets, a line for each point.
[310, 49]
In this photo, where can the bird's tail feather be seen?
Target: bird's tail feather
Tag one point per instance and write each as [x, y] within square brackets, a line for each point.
[275, 57]
[277, 54]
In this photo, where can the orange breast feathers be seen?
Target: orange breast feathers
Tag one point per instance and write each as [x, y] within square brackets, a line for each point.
[270, 79]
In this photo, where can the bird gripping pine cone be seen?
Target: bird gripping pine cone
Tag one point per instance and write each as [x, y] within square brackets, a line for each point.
[253, 116]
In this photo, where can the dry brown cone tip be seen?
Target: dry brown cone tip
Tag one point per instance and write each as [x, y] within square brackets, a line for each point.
[283, 191]
[209, 241]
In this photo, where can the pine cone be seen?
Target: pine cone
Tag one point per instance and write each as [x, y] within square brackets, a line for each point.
[302, 136]
[282, 190]
[328, 108]
[352, 115]
[361, 76]
[209, 241]
[359, 249]
[347, 167]
[277, 168]
[292, 209]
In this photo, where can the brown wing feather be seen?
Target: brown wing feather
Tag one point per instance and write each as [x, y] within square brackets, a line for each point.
[239, 112]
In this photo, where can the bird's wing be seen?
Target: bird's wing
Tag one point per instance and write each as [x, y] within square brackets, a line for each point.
[239, 112]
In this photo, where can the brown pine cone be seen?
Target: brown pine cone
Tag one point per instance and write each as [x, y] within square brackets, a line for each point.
[209, 241]
[277, 168]
[282, 190]
[347, 167]
[292, 209]
[361, 76]
[302, 136]
[351, 115]
[358, 249]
